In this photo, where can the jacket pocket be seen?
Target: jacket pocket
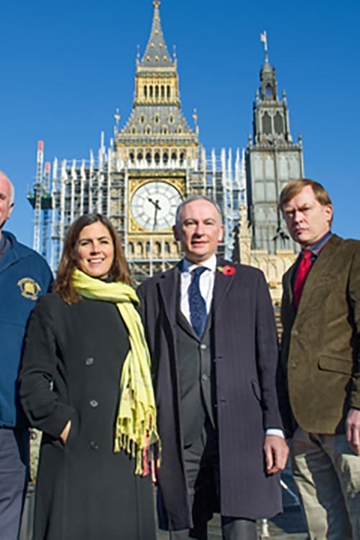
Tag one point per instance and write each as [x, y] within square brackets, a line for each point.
[74, 428]
[336, 364]
[256, 389]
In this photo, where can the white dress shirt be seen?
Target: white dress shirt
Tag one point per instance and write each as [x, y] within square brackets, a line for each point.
[206, 283]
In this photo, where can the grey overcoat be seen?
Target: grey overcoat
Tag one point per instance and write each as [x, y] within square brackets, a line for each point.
[245, 357]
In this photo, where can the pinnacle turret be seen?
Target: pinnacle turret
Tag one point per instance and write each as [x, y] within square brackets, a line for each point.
[156, 53]
[268, 88]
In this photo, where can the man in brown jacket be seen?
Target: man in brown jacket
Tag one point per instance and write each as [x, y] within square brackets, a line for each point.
[320, 358]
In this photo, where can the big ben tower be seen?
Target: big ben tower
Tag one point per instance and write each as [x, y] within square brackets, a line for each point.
[272, 160]
[153, 163]
[158, 149]
[156, 134]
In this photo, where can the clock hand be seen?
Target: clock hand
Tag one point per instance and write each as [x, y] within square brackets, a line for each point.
[156, 208]
[155, 203]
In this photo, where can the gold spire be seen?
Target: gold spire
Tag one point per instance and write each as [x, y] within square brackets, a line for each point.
[156, 54]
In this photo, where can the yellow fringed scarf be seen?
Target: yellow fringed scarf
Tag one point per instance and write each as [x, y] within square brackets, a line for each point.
[135, 428]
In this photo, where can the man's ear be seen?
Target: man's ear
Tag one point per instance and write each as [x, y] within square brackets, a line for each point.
[329, 211]
[221, 234]
[176, 233]
[10, 210]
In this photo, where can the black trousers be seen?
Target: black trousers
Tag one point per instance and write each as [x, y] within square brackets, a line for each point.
[201, 460]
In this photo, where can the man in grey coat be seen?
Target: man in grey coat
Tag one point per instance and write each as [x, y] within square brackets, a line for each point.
[212, 337]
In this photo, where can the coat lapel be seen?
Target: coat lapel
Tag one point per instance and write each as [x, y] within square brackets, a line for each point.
[222, 283]
[288, 310]
[169, 289]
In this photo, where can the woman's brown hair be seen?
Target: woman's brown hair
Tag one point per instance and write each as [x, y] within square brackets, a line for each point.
[119, 270]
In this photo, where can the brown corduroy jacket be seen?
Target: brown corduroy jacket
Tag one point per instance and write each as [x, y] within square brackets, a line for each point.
[320, 357]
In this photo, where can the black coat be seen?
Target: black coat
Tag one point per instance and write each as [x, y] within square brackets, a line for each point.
[71, 370]
[245, 357]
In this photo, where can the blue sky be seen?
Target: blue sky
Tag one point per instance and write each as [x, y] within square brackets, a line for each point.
[66, 66]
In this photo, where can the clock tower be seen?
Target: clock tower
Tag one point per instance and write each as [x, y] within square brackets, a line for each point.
[156, 149]
[272, 160]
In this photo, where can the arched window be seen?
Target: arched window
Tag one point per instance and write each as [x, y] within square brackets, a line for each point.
[156, 91]
[278, 124]
[145, 91]
[174, 156]
[139, 249]
[269, 92]
[157, 158]
[168, 91]
[165, 158]
[266, 123]
[162, 91]
[151, 91]
[148, 157]
[132, 157]
[140, 156]
[182, 158]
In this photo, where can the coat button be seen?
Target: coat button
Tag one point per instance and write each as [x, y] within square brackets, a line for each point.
[203, 347]
[94, 445]
[94, 403]
[204, 377]
[89, 361]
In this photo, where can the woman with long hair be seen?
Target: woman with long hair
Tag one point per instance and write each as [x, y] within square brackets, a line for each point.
[85, 382]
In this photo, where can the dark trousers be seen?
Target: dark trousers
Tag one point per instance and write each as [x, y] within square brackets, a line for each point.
[201, 461]
[14, 460]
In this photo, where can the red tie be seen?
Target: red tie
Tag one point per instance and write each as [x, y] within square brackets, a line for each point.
[301, 275]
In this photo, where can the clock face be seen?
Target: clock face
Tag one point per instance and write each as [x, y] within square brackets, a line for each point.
[154, 204]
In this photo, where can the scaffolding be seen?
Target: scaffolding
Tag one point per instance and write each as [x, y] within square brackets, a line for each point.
[41, 200]
[99, 184]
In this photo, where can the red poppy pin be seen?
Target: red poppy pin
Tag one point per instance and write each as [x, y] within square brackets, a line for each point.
[227, 270]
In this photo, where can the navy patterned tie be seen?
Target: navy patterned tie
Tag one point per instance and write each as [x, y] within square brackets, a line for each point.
[198, 315]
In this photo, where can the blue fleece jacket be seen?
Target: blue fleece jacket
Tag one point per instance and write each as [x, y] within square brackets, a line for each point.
[24, 276]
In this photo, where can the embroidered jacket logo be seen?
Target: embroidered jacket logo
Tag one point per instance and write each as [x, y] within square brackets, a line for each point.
[29, 288]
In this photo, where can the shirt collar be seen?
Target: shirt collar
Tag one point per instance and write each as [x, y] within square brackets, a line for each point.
[317, 247]
[210, 264]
